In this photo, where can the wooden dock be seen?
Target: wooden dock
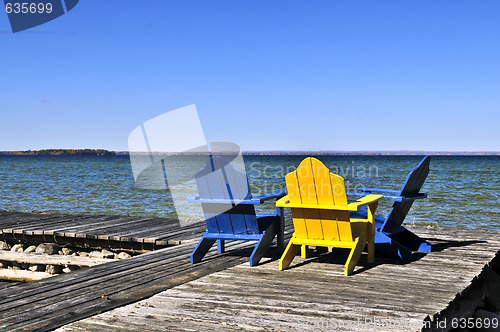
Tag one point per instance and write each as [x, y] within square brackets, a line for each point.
[111, 231]
[224, 293]
[49, 303]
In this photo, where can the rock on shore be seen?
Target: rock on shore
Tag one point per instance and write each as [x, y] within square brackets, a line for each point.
[53, 249]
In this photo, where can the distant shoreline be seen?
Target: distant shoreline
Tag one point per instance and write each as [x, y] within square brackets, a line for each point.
[60, 152]
[102, 152]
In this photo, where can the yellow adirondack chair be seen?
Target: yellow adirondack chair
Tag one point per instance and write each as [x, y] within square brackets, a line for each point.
[320, 214]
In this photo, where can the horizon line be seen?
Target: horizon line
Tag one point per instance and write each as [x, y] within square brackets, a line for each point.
[277, 152]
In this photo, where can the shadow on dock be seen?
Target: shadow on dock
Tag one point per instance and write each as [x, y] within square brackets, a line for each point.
[440, 245]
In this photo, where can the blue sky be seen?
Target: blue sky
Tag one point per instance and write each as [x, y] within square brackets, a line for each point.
[267, 75]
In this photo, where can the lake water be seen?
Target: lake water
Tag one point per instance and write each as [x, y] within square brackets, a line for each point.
[463, 191]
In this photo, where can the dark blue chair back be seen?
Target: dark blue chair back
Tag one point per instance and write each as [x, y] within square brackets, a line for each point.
[219, 180]
[411, 188]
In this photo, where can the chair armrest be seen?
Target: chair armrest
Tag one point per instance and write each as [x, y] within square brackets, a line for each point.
[417, 196]
[276, 194]
[256, 200]
[393, 197]
[222, 201]
[370, 190]
[366, 200]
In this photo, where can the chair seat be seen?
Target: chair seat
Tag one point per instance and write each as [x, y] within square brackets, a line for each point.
[357, 229]
[264, 221]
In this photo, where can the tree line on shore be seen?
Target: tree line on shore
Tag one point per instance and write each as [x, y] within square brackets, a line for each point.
[61, 152]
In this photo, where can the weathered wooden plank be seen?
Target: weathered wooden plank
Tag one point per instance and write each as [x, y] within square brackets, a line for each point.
[22, 275]
[87, 224]
[81, 225]
[10, 256]
[193, 230]
[155, 324]
[158, 230]
[46, 222]
[6, 284]
[147, 230]
[4, 214]
[56, 223]
[190, 235]
[235, 311]
[231, 285]
[38, 227]
[20, 218]
[116, 227]
[60, 226]
[103, 230]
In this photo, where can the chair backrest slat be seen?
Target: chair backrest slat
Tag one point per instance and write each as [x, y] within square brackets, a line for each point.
[307, 191]
[326, 196]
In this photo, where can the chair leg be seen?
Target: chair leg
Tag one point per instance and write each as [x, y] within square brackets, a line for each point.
[303, 251]
[262, 246]
[371, 231]
[221, 248]
[357, 249]
[289, 254]
[201, 249]
[280, 229]
[371, 243]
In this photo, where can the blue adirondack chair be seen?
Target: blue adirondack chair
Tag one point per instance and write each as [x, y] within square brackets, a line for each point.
[391, 238]
[229, 211]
